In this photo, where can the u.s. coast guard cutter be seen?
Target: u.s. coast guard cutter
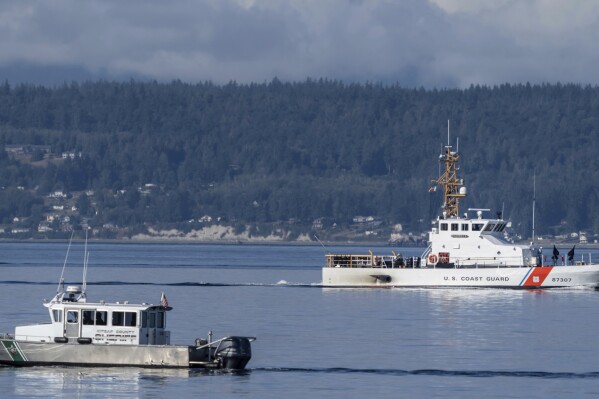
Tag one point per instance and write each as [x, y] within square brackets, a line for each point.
[463, 251]
[82, 333]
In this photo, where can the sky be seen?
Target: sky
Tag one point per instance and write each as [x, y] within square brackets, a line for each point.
[413, 43]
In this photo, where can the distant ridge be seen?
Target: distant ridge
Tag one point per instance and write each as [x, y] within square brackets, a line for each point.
[288, 158]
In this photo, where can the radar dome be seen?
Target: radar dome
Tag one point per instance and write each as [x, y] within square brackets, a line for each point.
[73, 289]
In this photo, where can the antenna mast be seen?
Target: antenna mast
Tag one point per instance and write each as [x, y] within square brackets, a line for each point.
[320, 242]
[534, 199]
[450, 182]
[66, 258]
[85, 263]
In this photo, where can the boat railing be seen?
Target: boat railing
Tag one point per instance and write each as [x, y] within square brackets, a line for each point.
[220, 341]
[211, 344]
[482, 262]
[504, 261]
[427, 251]
[362, 261]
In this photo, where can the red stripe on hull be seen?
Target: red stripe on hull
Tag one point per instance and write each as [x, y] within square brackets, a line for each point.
[538, 275]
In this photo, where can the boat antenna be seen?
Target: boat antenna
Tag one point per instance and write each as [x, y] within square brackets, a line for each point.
[450, 181]
[320, 242]
[534, 200]
[61, 281]
[85, 263]
[439, 169]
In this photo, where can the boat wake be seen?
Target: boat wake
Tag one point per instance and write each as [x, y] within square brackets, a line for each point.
[434, 372]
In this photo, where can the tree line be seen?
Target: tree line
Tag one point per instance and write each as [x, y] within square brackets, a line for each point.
[270, 152]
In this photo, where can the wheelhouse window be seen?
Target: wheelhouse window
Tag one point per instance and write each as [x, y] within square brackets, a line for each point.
[160, 320]
[128, 319]
[455, 227]
[118, 318]
[144, 319]
[443, 226]
[131, 319]
[490, 227]
[477, 226]
[72, 316]
[88, 317]
[465, 226]
[94, 317]
[152, 320]
[57, 315]
[101, 317]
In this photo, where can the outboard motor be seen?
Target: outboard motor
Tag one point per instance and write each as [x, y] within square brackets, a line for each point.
[234, 353]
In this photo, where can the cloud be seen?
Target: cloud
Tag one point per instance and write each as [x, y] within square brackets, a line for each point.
[436, 43]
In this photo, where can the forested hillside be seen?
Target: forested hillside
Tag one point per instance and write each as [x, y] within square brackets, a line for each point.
[280, 155]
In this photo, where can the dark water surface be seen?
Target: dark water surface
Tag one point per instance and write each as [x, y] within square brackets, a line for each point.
[312, 342]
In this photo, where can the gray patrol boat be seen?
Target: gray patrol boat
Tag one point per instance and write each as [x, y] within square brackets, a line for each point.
[82, 333]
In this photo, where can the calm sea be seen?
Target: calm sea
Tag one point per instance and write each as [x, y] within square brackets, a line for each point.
[312, 342]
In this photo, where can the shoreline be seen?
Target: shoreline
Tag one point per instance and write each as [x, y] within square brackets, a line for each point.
[258, 242]
[166, 241]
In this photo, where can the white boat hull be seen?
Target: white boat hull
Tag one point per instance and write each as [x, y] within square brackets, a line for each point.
[499, 277]
[24, 353]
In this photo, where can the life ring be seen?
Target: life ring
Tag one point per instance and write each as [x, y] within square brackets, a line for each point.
[432, 258]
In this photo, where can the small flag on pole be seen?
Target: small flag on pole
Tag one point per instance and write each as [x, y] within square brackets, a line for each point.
[571, 254]
[555, 256]
[164, 301]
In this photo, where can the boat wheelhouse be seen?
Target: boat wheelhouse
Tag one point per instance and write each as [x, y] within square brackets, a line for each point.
[465, 242]
[72, 318]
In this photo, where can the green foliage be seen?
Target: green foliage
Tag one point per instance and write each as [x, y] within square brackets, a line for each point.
[270, 152]
[17, 204]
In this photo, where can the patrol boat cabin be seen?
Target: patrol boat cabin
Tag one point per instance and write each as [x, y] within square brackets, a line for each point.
[75, 319]
[479, 242]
